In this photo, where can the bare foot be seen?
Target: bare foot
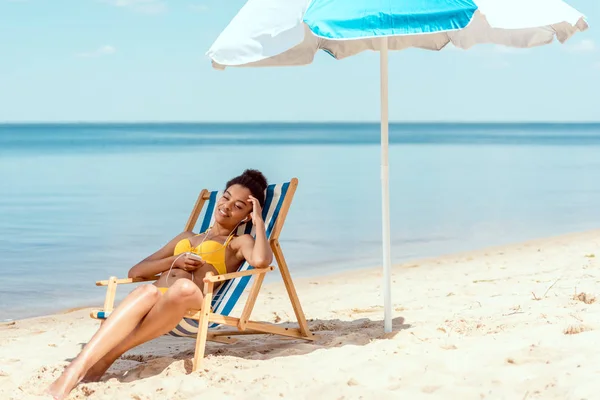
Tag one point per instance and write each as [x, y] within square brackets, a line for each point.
[61, 387]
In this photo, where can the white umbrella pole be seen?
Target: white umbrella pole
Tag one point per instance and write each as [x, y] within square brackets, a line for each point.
[385, 189]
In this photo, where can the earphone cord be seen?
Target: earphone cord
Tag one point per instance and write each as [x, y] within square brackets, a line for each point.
[173, 263]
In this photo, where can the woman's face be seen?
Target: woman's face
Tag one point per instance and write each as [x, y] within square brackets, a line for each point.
[233, 206]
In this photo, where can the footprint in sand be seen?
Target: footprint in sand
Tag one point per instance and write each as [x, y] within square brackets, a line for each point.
[146, 370]
[366, 310]
[448, 347]
[352, 382]
[576, 329]
[429, 389]
[585, 298]
[276, 318]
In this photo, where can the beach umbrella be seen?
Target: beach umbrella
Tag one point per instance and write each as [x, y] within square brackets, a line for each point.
[290, 32]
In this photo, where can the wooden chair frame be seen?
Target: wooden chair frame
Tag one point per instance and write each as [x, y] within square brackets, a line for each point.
[243, 324]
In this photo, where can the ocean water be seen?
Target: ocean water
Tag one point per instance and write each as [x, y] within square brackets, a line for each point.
[81, 202]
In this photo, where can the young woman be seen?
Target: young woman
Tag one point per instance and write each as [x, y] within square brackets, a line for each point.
[153, 310]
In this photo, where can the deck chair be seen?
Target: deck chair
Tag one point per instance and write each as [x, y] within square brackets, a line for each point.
[218, 304]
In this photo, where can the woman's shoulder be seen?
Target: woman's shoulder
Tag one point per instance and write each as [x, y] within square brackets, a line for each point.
[240, 240]
[244, 238]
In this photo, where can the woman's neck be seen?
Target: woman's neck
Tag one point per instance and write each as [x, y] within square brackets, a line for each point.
[219, 230]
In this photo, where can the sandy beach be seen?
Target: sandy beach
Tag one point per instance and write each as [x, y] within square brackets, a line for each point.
[513, 322]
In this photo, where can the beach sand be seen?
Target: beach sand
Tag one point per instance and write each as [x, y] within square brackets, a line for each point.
[512, 322]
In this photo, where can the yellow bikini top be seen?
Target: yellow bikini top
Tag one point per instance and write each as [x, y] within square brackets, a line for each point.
[211, 251]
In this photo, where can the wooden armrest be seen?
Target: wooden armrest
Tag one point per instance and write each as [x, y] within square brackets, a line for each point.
[226, 277]
[127, 280]
[214, 278]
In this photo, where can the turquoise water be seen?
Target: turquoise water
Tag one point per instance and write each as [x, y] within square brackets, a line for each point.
[82, 202]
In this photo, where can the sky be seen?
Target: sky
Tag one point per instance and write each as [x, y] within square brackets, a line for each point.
[144, 60]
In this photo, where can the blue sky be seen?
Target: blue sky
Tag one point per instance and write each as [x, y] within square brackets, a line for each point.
[144, 60]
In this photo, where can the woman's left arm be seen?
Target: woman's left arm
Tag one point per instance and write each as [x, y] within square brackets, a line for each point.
[256, 251]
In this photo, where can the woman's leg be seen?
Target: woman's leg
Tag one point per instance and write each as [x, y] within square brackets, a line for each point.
[183, 297]
[164, 316]
[117, 327]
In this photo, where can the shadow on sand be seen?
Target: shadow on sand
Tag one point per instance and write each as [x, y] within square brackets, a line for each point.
[142, 362]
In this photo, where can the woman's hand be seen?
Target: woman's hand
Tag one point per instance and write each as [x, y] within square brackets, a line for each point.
[256, 251]
[256, 213]
[188, 263]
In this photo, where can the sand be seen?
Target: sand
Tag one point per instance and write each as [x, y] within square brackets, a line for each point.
[513, 322]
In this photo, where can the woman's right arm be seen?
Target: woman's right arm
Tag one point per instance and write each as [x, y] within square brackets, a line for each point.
[158, 262]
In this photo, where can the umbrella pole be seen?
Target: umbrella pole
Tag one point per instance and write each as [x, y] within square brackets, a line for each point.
[385, 188]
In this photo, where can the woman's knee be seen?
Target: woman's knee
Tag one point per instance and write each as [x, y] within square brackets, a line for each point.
[183, 289]
[148, 292]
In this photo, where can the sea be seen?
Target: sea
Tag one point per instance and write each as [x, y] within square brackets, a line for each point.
[80, 202]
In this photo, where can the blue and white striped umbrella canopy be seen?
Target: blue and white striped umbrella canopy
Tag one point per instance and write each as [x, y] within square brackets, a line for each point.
[290, 32]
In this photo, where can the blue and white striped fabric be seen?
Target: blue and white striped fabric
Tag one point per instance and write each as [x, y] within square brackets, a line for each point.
[227, 295]
[290, 32]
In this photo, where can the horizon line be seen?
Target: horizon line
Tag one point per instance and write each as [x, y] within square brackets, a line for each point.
[567, 122]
